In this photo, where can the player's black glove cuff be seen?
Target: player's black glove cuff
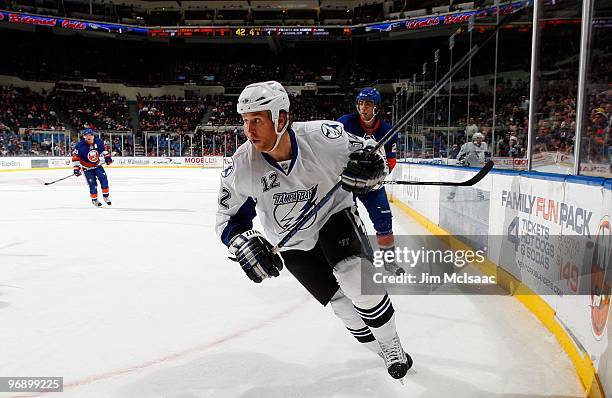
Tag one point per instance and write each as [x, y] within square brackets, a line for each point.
[364, 171]
[254, 254]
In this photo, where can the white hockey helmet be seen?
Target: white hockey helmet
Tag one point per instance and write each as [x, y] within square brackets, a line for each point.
[477, 135]
[265, 96]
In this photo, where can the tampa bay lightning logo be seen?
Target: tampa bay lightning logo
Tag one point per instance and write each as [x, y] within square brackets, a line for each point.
[331, 131]
[228, 167]
[290, 207]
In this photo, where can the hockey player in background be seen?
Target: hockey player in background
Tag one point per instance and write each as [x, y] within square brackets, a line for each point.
[280, 173]
[86, 158]
[368, 123]
[472, 154]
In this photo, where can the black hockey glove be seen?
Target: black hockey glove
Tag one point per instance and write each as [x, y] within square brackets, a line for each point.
[254, 254]
[364, 171]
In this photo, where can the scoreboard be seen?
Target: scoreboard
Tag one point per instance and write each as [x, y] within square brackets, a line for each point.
[253, 32]
[190, 32]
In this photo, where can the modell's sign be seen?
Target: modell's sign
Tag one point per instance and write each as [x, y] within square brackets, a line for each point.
[205, 160]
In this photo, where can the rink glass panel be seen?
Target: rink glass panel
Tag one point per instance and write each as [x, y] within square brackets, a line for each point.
[487, 93]
[556, 89]
[596, 141]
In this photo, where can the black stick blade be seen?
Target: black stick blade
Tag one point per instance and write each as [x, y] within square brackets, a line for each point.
[481, 174]
[61, 179]
[474, 180]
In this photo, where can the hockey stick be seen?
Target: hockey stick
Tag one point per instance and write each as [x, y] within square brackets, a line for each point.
[472, 181]
[402, 122]
[53, 182]
[61, 179]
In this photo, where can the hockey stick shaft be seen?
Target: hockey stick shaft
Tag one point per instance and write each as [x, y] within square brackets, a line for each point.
[314, 210]
[401, 123]
[475, 179]
[472, 181]
[61, 179]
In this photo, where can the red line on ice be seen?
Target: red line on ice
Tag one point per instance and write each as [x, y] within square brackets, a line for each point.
[177, 355]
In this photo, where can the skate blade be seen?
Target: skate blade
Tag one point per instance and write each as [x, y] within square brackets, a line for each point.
[405, 378]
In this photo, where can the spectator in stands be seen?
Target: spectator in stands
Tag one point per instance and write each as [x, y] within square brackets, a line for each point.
[524, 104]
[170, 113]
[24, 108]
[95, 109]
[454, 151]
[471, 128]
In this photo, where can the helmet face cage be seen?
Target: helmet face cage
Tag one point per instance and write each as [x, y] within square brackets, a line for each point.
[369, 94]
[265, 96]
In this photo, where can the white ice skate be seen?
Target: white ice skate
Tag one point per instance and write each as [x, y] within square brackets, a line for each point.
[107, 200]
[396, 359]
[96, 202]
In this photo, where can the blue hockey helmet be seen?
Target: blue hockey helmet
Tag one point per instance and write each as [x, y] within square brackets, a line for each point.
[88, 132]
[369, 94]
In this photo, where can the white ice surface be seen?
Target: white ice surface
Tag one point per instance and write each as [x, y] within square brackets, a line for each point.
[139, 301]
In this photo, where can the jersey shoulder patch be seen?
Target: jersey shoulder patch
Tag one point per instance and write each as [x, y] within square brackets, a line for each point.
[240, 157]
[332, 130]
[228, 167]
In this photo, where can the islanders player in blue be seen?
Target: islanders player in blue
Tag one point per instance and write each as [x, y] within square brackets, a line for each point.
[367, 122]
[86, 158]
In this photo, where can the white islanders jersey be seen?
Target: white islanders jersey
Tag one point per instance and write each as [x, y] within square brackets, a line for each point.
[280, 193]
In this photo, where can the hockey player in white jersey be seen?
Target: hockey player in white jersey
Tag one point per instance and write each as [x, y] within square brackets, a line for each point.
[473, 153]
[280, 173]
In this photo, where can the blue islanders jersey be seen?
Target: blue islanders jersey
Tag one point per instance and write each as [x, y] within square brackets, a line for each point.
[88, 156]
[352, 123]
